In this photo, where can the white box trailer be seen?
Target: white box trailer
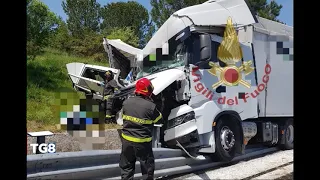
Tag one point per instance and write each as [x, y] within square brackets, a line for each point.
[273, 42]
[210, 106]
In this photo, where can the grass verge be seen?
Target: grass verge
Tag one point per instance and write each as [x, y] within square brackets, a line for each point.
[47, 75]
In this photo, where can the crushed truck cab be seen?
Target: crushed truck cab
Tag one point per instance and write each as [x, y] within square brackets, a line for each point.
[211, 103]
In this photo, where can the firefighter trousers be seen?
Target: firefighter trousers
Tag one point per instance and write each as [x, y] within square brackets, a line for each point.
[109, 110]
[132, 152]
[109, 106]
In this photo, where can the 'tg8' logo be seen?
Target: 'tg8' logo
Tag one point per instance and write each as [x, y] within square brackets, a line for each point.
[44, 148]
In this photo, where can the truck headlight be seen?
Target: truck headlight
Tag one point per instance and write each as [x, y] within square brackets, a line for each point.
[181, 119]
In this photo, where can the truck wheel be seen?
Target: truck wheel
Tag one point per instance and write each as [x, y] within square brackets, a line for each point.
[225, 138]
[287, 135]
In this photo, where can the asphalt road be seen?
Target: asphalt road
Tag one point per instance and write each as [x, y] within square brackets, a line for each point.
[278, 165]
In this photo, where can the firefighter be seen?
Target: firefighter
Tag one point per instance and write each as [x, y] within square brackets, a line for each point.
[110, 86]
[139, 115]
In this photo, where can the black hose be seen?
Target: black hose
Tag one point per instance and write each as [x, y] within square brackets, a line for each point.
[180, 146]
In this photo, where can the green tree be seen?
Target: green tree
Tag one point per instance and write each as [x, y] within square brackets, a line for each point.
[162, 9]
[125, 34]
[62, 38]
[89, 46]
[83, 15]
[41, 23]
[269, 11]
[126, 14]
[151, 30]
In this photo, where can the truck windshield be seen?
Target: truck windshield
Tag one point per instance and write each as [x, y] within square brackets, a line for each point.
[176, 57]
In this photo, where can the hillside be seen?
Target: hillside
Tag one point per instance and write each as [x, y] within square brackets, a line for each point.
[46, 75]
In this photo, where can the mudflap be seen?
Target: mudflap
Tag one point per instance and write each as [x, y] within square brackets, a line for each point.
[241, 147]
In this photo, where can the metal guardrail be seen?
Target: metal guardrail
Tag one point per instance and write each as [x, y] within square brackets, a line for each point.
[104, 164]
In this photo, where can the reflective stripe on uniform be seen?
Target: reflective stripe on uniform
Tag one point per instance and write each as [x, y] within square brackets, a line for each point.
[158, 118]
[141, 121]
[137, 120]
[137, 140]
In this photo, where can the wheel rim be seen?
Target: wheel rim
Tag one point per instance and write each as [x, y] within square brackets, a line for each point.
[289, 134]
[227, 138]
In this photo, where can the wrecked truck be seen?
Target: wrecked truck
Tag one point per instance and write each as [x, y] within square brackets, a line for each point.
[210, 105]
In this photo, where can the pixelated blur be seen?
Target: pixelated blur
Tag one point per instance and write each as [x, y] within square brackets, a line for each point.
[166, 54]
[82, 119]
[283, 47]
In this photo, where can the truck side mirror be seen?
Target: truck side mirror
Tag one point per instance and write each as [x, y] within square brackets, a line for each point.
[205, 47]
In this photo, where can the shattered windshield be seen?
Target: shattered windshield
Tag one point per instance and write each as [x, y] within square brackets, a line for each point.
[176, 57]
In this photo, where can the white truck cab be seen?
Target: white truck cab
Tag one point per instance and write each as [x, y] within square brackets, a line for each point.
[209, 106]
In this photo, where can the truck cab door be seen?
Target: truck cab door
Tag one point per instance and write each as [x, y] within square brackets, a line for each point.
[208, 87]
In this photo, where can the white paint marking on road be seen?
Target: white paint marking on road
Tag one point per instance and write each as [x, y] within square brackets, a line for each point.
[282, 171]
[248, 168]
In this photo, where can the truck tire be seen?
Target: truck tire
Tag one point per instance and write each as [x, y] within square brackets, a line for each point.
[225, 138]
[287, 136]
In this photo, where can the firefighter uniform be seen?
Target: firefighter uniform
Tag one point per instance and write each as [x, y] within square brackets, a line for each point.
[139, 115]
[110, 87]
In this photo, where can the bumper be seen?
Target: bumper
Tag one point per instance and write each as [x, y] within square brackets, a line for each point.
[180, 130]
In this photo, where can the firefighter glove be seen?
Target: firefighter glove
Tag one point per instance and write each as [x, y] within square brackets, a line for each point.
[106, 97]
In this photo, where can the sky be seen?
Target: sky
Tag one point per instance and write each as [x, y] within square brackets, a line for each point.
[286, 14]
